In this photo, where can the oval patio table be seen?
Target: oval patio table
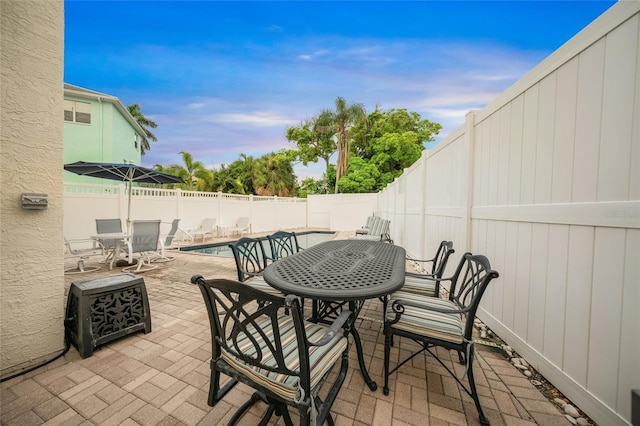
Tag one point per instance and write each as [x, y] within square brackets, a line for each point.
[341, 271]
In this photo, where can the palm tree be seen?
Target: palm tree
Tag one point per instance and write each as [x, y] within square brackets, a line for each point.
[192, 171]
[343, 118]
[145, 123]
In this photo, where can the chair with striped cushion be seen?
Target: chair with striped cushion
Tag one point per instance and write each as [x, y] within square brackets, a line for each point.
[251, 260]
[427, 283]
[286, 359]
[447, 323]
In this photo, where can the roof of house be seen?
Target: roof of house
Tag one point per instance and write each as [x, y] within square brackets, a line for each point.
[101, 97]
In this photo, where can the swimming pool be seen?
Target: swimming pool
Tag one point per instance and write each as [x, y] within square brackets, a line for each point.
[305, 239]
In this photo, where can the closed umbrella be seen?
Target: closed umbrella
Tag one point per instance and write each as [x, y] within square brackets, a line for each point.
[122, 172]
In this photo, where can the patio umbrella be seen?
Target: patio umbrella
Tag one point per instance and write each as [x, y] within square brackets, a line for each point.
[122, 172]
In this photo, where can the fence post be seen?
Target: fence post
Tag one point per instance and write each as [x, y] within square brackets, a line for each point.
[470, 131]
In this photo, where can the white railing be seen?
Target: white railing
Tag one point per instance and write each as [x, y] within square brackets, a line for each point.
[545, 182]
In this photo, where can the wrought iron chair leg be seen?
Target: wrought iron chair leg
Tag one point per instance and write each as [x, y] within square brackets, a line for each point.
[256, 397]
[387, 359]
[474, 393]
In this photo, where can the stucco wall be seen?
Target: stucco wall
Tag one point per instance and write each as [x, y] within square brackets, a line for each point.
[31, 143]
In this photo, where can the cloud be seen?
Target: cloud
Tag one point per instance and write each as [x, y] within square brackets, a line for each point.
[256, 118]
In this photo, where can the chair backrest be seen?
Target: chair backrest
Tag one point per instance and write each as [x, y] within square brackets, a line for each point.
[283, 244]
[108, 226]
[246, 335]
[243, 222]
[208, 223]
[369, 220]
[172, 233]
[145, 235]
[468, 284]
[250, 257]
[441, 258]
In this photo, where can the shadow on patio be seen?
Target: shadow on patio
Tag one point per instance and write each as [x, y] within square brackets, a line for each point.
[162, 378]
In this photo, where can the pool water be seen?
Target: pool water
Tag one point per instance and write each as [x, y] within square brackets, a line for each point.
[305, 240]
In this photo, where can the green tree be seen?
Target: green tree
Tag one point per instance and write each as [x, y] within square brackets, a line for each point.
[146, 124]
[362, 176]
[314, 139]
[273, 175]
[190, 171]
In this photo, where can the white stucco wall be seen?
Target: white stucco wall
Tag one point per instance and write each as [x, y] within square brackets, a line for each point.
[31, 142]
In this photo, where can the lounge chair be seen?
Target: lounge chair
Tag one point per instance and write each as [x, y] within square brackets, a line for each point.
[368, 225]
[241, 227]
[208, 226]
[379, 232]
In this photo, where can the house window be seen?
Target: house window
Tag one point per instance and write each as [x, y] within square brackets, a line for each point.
[77, 112]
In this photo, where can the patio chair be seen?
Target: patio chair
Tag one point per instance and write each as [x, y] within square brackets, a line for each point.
[207, 226]
[242, 226]
[379, 232]
[108, 226]
[368, 225]
[251, 260]
[82, 249]
[420, 285]
[165, 242]
[286, 359]
[283, 244]
[144, 241]
[447, 323]
[428, 283]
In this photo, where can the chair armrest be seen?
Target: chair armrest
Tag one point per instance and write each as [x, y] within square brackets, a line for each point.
[335, 328]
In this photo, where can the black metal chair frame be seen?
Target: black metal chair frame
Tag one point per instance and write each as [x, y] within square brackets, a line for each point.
[236, 318]
[282, 244]
[249, 256]
[438, 265]
[468, 284]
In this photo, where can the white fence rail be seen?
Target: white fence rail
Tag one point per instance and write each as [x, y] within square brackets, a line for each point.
[545, 181]
[83, 203]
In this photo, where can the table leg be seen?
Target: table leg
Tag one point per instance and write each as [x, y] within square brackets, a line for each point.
[355, 307]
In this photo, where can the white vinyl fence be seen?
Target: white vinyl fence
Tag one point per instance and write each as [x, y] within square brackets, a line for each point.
[83, 203]
[545, 181]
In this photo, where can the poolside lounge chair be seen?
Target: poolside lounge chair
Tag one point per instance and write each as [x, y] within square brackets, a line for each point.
[448, 324]
[208, 226]
[144, 241]
[368, 225]
[242, 226]
[379, 232]
[288, 361]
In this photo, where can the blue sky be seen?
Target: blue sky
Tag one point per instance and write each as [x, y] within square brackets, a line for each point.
[224, 78]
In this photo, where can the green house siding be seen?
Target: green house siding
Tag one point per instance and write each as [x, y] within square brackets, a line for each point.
[110, 137]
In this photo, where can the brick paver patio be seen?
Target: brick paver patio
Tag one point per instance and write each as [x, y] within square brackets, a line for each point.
[162, 378]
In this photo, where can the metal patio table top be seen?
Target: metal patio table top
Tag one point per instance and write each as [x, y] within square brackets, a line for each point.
[337, 272]
[345, 270]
